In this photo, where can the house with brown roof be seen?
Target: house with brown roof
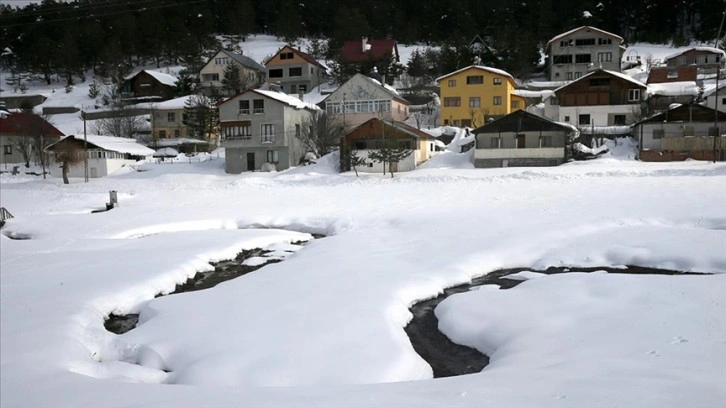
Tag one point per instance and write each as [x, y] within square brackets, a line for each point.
[363, 55]
[295, 71]
[375, 134]
[23, 131]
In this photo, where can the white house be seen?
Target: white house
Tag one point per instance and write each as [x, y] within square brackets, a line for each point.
[105, 154]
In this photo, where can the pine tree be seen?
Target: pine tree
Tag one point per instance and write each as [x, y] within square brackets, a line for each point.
[201, 116]
[232, 82]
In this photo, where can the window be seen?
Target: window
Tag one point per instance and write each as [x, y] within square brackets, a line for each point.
[177, 133]
[545, 141]
[162, 134]
[452, 101]
[604, 56]
[286, 56]
[171, 117]
[297, 131]
[295, 71]
[633, 95]
[619, 120]
[569, 76]
[244, 107]
[584, 41]
[658, 133]
[210, 77]
[495, 143]
[474, 79]
[302, 88]
[497, 100]
[554, 101]
[604, 41]
[577, 75]
[273, 156]
[567, 118]
[8, 149]
[240, 130]
[562, 59]
[452, 83]
[583, 58]
[597, 82]
[360, 145]
[565, 43]
[474, 102]
[293, 89]
[583, 119]
[267, 133]
[404, 144]
[258, 106]
[672, 74]
[276, 73]
[497, 81]
[723, 101]
[515, 104]
[701, 59]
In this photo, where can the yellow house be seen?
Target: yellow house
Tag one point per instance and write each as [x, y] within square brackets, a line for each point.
[473, 95]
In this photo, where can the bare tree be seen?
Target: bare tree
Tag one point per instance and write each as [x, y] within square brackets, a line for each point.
[24, 146]
[123, 120]
[320, 132]
[67, 155]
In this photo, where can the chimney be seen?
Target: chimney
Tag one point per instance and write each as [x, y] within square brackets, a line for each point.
[364, 44]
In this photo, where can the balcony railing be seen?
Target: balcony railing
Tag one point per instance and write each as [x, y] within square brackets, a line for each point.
[259, 110]
[244, 111]
[267, 138]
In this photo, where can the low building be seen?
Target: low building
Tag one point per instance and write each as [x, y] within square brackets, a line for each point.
[522, 139]
[661, 96]
[21, 131]
[683, 132]
[713, 95]
[148, 86]
[104, 154]
[375, 134]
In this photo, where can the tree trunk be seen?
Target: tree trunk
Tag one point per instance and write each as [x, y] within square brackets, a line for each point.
[64, 170]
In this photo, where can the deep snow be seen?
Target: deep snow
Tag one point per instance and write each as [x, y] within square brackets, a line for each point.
[325, 327]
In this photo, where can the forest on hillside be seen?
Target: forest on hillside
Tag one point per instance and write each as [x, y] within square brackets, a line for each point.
[67, 39]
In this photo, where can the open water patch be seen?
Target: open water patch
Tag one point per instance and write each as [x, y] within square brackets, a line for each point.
[245, 262]
[447, 358]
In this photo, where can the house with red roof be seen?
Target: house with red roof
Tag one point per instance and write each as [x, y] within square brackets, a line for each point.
[20, 136]
[295, 71]
[361, 56]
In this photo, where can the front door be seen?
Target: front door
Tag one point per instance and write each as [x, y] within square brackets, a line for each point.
[520, 141]
[250, 162]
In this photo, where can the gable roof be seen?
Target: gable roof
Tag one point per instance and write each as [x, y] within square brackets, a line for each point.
[352, 51]
[568, 33]
[521, 121]
[284, 98]
[404, 127]
[240, 59]
[385, 87]
[22, 123]
[110, 143]
[164, 79]
[686, 113]
[702, 49]
[710, 90]
[307, 57]
[612, 73]
[680, 88]
[483, 68]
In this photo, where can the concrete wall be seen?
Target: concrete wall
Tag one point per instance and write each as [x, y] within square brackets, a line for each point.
[603, 115]
[407, 164]
[103, 167]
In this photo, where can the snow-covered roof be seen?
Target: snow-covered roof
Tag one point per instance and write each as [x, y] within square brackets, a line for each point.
[286, 99]
[613, 73]
[178, 142]
[176, 103]
[166, 152]
[113, 144]
[533, 94]
[481, 67]
[710, 89]
[606, 130]
[704, 49]
[163, 78]
[565, 34]
[680, 88]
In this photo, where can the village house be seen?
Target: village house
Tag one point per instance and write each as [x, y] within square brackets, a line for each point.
[522, 139]
[295, 71]
[167, 119]
[706, 59]
[104, 154]
[251, 73]
[662, 96]
[362, 98]
[363, 55]
[261, 129]
[375, 134]
[713, 95]
[574, 53]
[683, 132]
[148, 86]
[21, 131]
[474, 94]
[600, 99]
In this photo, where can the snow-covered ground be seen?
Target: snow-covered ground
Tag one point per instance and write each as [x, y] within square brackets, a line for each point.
[325, 327]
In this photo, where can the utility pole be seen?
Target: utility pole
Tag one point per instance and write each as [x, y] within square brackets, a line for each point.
[85, 147]
[716, 130]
